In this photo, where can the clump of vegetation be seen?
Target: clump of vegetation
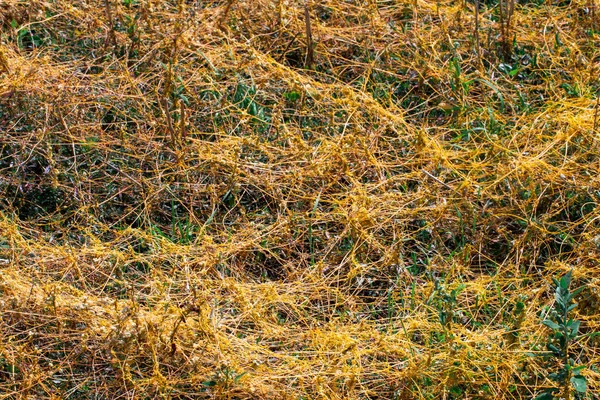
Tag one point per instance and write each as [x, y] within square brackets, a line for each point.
[565, 333]
[299, 200]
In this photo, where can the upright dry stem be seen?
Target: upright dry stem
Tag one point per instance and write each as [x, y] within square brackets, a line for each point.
[477, 43]
[506, 12]
[310, 57]
[109, 16]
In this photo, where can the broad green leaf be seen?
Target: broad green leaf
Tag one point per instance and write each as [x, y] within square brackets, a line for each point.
[556, 282]
[551, 324]
[579, 383]
[554, 349]
[545, 396]
[565, 281]
[577, 291]
[577, 370]
[574, 327]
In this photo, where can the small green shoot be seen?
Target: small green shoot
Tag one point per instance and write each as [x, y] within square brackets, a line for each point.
[565, 333]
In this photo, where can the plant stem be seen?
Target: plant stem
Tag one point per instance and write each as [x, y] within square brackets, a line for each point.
[109, 17]
[310, 57]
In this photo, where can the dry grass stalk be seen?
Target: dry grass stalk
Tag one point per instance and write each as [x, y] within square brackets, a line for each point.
[225, 14]
[310, 55]
[112, 38]
[182, 121]
[164, 103]
[477, 42]
[596, 110]
[506, 10]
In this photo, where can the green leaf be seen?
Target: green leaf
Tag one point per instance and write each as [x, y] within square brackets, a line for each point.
[556, 282]
[555, 376]
[545, 396]
[551, 324]
[238, 377]
[554, 349]
[577, 291]
[574, 327]
[495, 89]
[292, 96]
[577, 370]
[565, 281]
[579, 383]
[519, 307]
[209, 383]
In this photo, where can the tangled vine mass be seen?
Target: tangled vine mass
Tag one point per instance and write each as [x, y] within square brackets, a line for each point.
[285, 199]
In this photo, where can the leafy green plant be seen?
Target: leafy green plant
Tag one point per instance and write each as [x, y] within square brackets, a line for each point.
[223, 380]
[518, 316]
[446, 303]
[28, 38]
[565, 333]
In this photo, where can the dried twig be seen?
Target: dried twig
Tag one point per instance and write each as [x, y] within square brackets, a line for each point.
[287, 48]
[225, 14]
[165, 108]
[109, 16]
[436, 179]
[310, 57]
[507, 10]
[477, 43]
[3, 62]
[596, 114]
[182, 133]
